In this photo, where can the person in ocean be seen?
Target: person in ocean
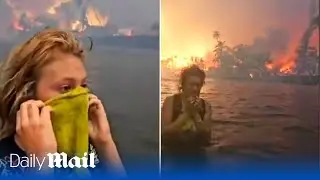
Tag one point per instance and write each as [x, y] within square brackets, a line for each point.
[186, 123]
[49, 64]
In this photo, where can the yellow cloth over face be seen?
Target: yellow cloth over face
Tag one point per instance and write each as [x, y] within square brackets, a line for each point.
[70, 121]
[189, 126]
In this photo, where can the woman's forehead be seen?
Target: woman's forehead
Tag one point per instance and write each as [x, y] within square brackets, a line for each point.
[193, 78]
[71, 67]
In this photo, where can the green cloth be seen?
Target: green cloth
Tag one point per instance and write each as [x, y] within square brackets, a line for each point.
[70, 121]
[189, 126]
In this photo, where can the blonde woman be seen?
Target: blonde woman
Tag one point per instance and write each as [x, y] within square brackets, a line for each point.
[49, 64]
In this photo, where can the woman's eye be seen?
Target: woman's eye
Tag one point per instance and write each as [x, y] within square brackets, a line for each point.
[65, 88]
[84, 85]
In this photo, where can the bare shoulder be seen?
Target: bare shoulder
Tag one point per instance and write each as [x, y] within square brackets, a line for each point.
[166, 110]
[168, 100]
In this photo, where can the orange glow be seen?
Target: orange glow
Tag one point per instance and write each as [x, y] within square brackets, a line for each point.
[77, 26]
[57, 4]
[53, 11]
[285, 62]
[95, 18]
[187, 31]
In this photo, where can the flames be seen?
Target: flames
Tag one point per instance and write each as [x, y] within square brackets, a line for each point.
[57, 3]
[278, 63]
[284, 63]
[95, 18]
[205, 61]
[76, 15]
[199, 53]
[184, 43]
[208, 59]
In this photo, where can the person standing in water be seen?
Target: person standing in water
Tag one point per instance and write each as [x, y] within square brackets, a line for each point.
[186, 123]
[49, 64]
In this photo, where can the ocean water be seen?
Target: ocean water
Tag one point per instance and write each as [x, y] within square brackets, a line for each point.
[258, 122]
[127, 82]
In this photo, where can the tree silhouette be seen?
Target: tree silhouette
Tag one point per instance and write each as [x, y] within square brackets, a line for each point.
[216, 35]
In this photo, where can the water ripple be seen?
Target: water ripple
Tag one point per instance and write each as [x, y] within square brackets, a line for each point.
[260, 120]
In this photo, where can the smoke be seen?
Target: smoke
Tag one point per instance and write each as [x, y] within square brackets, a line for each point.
[274, 40]
[35, 6]
[138, 14]
[4, 18]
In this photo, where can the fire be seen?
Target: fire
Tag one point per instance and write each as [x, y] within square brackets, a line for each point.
[285, 63]
[287, 68]
[269, 66]
[186, 34]
[77, 26]
[206, 61]
[177, 51]
[52, 9]
[193, 53]
[95, 18]
[67, 14]
[179, 62]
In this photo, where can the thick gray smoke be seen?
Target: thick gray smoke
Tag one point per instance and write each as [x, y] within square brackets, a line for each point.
[274, 40]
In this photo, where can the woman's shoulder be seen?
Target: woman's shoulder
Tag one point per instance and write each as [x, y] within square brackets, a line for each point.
[9, 146]
[171, 98]
[9, 152]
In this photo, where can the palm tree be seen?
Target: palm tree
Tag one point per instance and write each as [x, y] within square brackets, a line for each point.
[218, 49]
[216, 35]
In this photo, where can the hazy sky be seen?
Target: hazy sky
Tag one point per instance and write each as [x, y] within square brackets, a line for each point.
[187, 26]
[124, 13]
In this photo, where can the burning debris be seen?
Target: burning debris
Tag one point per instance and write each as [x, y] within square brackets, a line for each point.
[76, 15]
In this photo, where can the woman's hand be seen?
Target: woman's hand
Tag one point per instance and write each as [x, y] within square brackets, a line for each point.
[196, 102]
[99, 128]
[34, 132]
[189, 106]
[101, 136]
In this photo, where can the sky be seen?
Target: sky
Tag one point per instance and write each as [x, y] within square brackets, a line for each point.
[140, 14]
[187, 26]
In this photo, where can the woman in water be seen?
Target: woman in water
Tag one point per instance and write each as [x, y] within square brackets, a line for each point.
[49, 64]
[186, 120]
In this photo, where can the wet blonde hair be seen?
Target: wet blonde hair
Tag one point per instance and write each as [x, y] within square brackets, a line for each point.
[19, 72]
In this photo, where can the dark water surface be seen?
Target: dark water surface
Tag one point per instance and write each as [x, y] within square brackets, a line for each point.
[259, 122]
[127, 81]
